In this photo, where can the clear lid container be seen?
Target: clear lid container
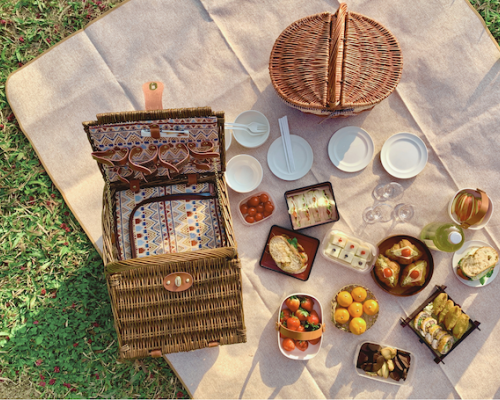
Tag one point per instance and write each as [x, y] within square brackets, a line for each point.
[247, 199]
[348, 251]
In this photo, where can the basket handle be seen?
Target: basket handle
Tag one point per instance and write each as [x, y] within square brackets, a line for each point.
[336, 57]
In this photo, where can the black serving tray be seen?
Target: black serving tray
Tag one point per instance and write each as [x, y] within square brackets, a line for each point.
[293, 192]
[438, 356]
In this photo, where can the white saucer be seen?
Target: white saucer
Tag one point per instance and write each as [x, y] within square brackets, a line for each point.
[404, 155]
[351, 149]
[459, 254]
[302, 155]
[243, 173]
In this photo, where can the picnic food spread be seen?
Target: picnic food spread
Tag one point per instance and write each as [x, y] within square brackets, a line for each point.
[403, 267]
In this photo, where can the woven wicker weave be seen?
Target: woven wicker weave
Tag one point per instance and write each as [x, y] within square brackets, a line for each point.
[335, 64]
[150, 320]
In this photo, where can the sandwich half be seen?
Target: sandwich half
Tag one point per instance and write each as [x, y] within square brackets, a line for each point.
[288, 254]
[477, 263]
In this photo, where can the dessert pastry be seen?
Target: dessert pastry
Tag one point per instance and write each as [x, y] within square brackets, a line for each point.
[439, 303]
[358, 262]
[414, 274]
[352, 246]
[477, 263]
[346, 256]
[333, 251]
[339, 240]
[387, 271]
[288, 254]
[363, 252]
[404, 252]
[451, 317]
[461, 326]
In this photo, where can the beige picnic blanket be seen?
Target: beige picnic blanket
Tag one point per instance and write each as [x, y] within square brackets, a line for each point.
[215, 53]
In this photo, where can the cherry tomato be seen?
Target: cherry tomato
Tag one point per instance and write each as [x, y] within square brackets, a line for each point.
[285, 314]
[387, 272]
[263, 198]
[252, 211]
[244, 209]
[302, 345]
[307, 304]
[301, 314]
[266, 214]
[260, 208]
[406, 252]
[293, 303]
[259, 216]
[301, 328]
[269, 207]
[292, 323]
[313, 319]
[250, 219]
[315, 341]
[414, 274]
[253, 202]
[288, 344]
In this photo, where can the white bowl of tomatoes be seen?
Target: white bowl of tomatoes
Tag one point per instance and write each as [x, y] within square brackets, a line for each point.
[256, 208]
[300, 326]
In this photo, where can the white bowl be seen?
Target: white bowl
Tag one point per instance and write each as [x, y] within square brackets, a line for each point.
[244, 173]
[243, 137]
[487, 217]
[227, 138]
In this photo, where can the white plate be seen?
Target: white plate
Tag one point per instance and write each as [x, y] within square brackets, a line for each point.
[243, 173]
[246, 139]
[351, 149]
[459, 254]
[404, 155]
[302, 155]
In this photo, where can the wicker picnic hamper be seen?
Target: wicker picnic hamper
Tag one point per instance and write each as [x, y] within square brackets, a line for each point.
[335, 64]
[182, 300]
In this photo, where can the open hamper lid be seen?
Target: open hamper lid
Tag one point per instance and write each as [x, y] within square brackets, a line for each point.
[335, 64]
[140, 147]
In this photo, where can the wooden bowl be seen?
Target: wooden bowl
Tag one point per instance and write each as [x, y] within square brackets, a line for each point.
[385, 245]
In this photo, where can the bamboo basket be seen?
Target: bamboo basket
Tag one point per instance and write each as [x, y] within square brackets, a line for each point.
[335, 65]
[150, 320]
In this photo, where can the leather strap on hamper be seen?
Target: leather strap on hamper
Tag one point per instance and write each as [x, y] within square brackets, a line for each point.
[169, 197]
[153, 92]
[306, 335]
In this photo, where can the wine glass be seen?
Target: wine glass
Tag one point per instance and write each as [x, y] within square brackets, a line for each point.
[403, 212]
[391, 191]
[377, 213]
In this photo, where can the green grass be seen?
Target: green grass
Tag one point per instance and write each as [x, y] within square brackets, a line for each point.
[57, 338]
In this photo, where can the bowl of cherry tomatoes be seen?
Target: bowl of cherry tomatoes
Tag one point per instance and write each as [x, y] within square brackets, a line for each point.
[256, 208]
[300, 326]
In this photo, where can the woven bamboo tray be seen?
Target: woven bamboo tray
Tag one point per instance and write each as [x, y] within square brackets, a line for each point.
[150, 320]
[335, 64]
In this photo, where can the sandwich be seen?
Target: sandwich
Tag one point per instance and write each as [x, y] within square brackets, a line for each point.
[404, 252]
[478, 262]
[414, 274]
[288, 254]
[313, 205]
[387, 271]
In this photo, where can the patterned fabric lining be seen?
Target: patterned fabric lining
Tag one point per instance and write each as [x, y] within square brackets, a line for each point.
[108, 137]
[167, 226]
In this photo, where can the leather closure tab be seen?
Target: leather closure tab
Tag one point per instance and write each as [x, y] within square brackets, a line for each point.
[155, 353]
[135, 185]
[153, 92]
[178, 282]
[155, 131]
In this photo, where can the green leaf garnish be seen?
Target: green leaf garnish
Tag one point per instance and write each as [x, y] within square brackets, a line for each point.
[293, 242]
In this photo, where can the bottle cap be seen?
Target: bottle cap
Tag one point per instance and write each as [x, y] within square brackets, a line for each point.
[455, 237]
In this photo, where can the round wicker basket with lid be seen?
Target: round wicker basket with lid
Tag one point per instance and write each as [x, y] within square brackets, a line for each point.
[335, 65]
